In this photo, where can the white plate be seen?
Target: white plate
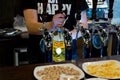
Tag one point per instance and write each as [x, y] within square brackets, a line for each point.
[38, 68]
[84, 67]
[95, 79]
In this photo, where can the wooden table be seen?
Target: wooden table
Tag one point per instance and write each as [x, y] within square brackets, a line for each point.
[25, 72]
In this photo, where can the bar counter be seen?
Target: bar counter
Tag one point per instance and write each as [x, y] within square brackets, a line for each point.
[25, 72]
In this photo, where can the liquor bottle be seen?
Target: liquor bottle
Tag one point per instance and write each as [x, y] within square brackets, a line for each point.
[58, 46]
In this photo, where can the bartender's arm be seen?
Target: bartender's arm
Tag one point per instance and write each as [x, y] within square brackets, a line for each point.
[31, 19]
[33, 25]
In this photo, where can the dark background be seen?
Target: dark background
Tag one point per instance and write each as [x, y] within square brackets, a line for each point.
[8, 10]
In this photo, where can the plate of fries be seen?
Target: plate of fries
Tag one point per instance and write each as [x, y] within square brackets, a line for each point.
[107, 69]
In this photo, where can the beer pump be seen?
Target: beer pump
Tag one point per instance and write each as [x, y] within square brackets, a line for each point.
[86, 37]
[99, 36]
[104, 41]
[47, 40]
[76, 48]
[95, 40]
[112, 48]
[85, 32]
[78, 17]
[87, 42]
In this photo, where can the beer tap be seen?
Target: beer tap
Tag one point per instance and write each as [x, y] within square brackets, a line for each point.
[78, 17]
[110, 11]
[86, 37]
[99, 35]
[68, 39]
[93, 28]
[94, 18]
[46, 35]
[110, 16]
[48, 40]
[85, 32]
[94, 2]
[112, 48]
[97, 29]
[43, 18]
[103, 35]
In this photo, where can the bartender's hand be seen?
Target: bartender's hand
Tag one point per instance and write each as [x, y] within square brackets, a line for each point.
[58, 20]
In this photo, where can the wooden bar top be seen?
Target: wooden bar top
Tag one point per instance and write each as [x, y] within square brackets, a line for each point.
[25, 72]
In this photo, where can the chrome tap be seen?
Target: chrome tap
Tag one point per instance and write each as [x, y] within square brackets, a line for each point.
[67, 39]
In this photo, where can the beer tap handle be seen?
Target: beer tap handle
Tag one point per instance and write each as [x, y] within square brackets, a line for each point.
[110, 15]
[44, 15]
[110, 11]
[94, 6]
[78, 9]
[68, 39]
[78, 15]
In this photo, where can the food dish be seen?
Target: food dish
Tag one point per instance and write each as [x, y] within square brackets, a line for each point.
[108, 69]
[57, 70]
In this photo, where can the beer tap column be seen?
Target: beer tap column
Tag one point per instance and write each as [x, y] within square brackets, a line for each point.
[111, 30]
[77, 27]
[95, 40]
[46, 35]
[82, 49]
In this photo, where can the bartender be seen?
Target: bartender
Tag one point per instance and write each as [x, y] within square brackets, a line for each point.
[33, 11]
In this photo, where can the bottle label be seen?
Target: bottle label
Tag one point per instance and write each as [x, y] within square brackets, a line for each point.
[58, 51]
[58, 48]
